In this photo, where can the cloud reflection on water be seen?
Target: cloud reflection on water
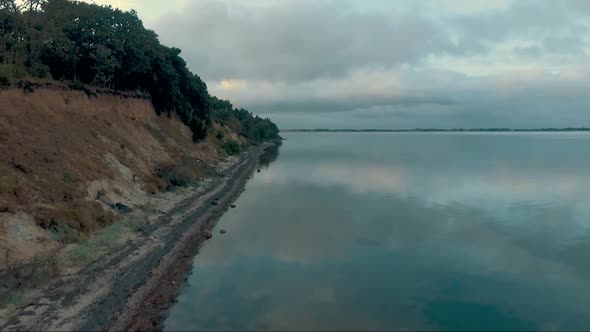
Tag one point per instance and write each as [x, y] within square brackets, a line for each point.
[402, 238]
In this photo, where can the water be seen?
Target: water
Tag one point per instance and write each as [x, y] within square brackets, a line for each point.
[436, 231]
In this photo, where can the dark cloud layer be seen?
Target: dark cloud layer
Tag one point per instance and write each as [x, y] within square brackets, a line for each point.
[298, 40]
[393, 64]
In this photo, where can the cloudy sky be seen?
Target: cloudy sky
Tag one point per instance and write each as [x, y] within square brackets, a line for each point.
[387, 63]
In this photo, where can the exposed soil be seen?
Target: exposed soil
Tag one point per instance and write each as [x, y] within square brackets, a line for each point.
[74, 163]
[60, 149]
[132, 288]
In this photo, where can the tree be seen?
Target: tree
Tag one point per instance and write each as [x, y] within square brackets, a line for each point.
[105, 66]
[34, 35]
[106, 47]
[11, 29]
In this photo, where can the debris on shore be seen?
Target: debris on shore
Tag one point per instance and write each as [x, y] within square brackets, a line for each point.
[206, 233]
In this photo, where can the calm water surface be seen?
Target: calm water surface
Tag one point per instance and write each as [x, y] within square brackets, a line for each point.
[403, 231]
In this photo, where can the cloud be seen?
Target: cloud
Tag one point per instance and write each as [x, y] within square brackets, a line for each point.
[484, 217]
[148, 10]
[297, 40]
[528, 51]
[412, 64]
[359, 89]
[516, 98]
[521, 18]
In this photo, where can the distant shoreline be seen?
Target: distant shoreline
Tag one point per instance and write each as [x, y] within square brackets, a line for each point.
[433, 130]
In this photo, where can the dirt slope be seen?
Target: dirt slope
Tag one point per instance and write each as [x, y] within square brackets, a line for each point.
[61, 149]
[132, 288]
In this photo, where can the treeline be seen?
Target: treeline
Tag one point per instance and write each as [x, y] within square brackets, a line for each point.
[243, 122]
[88, 44]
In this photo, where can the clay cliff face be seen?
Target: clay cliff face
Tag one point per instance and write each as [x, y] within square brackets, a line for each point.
[60, 150]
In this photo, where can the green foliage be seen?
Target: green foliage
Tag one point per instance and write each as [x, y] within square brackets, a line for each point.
[254, 128]
[59, 235]
[231, 147]
[12, 297]
[84, 253]
[65, 234]
[69, 178]
[104, 240]
[6, 73]
[186, 174]
[134, 224]
[179, 179]
[76, 85]
[91, 45]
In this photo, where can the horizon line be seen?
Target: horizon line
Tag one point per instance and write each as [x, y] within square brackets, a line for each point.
[436, 129]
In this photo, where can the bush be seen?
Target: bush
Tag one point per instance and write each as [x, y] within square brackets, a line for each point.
[76, 85]
[84, 253]
[106, 239]
[231, 147]
[184, 174]
[65, 234]
[69, 178]
[39, 70]
[27, 86]
[135, 224]
[179, 179]
[9, 72]
[4, 80]
[72, 221]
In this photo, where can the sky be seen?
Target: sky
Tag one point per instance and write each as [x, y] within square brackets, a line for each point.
[386, 64]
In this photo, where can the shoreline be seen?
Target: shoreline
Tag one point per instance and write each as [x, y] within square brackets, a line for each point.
[133, 287]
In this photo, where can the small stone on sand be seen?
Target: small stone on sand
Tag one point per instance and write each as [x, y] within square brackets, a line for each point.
[206, 233]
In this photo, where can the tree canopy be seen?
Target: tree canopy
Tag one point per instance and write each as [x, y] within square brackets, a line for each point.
[103, 46]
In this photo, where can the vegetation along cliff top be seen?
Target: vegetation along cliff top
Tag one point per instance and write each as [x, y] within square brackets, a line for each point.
[84, 45]
[100, 126]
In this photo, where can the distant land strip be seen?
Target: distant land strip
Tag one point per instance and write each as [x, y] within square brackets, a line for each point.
[433, 130]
